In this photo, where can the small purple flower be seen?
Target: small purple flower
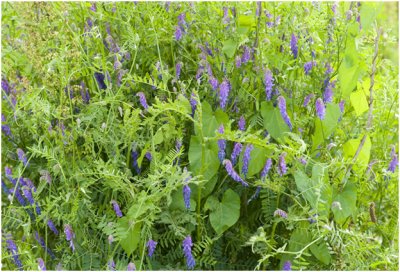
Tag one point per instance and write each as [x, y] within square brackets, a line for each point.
[41, 265]
[111, 265]
[266, 168]
[187, 251]
[93, 7]
[246, 54]
[148, 155]
[259, 8]
[4, 187]
[13, 249]
[178, 67]
[303, 161]
[28, 195]
[224, 89]
[85, 93]
[193, 103]
[242, 123]
[142, 99]
[5, 86]
[18, 195]
[100, 80]
[22, 156]
[51, 225]
[320, 108]
[151, 246]
[255, 195]
[282, 169]
[42, 243]
[246, 159]
[214, 83]
[308, 66]
[232, 173]
[293, 46]
[135, 165]
[186, 196]
[178, 33]
[341, 106]
[287, 266]
[69, 235]
[307, 100]
[328, 93]
[199, 72]
[394, 162]
[8, 172]
[221, 145]
[238, 61]
[282, 108]
[117, 210]
[236, 152]
[269, 83]
[226, 16]
[280, 213]
[131, 267]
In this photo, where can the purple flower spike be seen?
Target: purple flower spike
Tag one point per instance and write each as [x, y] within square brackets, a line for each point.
[148, 155]
[328, 93]
[100, 80]
[8, 172]
[242, 123]
[221, 145]
[320, 108]
[178, 68]
[394, 162]
[111, 265]
[236, 152]
[135, 165]
[117, 210]
[5, 188]
[5, 86]
[266, 168]
[51, 225]
[246, 54]
[18, 195]
[187, 251]
[269, 83]
[186, 196]
[22, 156]
[246, 159]
[93, 7]
[232, 173]
[151, 246]
[193, 103]
[224, 89]
[41, 264]
[287, 266]
[131, 267]
[282, 169]
[28, 195]
[238, 61]
[70, 236]
[259, 8]
[178, 33]
[293, 46]
[282, 108]
[280, 213]
[341, 106]
[307, 100]
[308, 66]
[13, 249]
[214, 83]
[142, 99]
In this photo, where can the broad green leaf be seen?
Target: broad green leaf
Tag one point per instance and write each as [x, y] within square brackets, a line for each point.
[321, 252]
[350, 149]
[229, 48]
[130, 241]
[207, 165]
[347, 199]
[246, 21]
[273, 121]
[257, 160]
[223, 214]
[349, 69]
[368, 13]
[324, 128]
[206, 187]
[359, 102]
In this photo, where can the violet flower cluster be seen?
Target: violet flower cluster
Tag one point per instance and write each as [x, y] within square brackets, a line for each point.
[293, 46]
[142, 100]
[237, 149]
[232, 173]
[221, 145]
[246, 159]
[282, 169]
[282, 108]
[320, 108]
[13, 249]
[151, 246]
[70, 236]
[116, 208]
[187, 251]
[280, 213]
[224, 89]
[269, 83]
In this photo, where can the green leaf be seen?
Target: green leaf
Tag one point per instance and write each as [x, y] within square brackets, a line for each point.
[223, 214]
[350, 149]
[246, 21]
[324, 128]
[349, 69]
[229, 48]
[321, 252]
[368, 13]
[129, 234]
[257, 160]
[211, 161]
[347, 199]
[359, 102]
[273, 121]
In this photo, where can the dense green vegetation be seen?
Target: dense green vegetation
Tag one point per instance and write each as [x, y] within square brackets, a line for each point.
[206, 136]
